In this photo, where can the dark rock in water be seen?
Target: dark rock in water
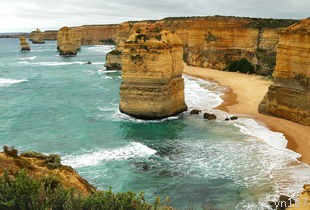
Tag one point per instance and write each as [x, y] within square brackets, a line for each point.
[195, 111]
[226, 119]
[283, 203]
[88, 62]
[209, 116]
[233, 117]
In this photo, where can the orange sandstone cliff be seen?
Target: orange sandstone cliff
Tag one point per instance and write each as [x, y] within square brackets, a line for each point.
[216, 42]
[152, 84]
[68, 41]
[37, 37]
[289, 96]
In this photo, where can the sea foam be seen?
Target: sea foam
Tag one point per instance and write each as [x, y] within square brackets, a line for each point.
[132, 150]
[288, 173]
[7, 82]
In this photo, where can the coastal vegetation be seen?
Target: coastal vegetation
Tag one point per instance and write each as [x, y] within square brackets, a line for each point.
[25, 190]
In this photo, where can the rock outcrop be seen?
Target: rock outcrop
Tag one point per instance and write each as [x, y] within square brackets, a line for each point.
[68, 41]
[303, 201]
[50, 34]
[37, 37]
[289, 96]
[35, 164]
[216, 42]
[152, 84]
[24, 46]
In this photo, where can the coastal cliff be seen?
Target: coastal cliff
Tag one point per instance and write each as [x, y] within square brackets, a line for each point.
[39, 165]
[37, 37]
[152, 84]
[68, 41]
[289, 96]
[50, 34]
[217, 41]
[24, 46]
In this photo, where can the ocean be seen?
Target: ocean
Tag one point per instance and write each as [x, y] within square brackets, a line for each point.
[62, 105]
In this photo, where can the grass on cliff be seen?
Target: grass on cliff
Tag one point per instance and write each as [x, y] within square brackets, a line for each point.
[24, 192]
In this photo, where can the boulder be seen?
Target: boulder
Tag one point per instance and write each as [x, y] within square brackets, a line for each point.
[195, 111]
[209, 116]
[233, 118]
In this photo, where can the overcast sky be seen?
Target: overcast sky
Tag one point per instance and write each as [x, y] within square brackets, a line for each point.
[25, 15]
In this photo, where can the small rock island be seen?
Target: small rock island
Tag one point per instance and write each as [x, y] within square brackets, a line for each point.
[68, 42]
[24, 46]
[152, 84]
[37, 37]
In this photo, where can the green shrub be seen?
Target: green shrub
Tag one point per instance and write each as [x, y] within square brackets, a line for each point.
[33, 154]
[10, 151]
[242, 65]
[52, 161]
[115, 52]
[25, 192]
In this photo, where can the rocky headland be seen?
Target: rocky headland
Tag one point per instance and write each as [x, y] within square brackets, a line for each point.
[152, 84]
[39, 165]
[289, 96]
[68, 42]
[37, 37]
[219, 42]
[24, 46]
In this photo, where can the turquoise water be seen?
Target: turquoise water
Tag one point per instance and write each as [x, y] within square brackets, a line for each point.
[61, 105]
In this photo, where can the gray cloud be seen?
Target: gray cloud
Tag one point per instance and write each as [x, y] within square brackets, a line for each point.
[25, 15]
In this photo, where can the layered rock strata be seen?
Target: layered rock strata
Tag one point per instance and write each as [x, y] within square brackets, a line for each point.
[216, 42]
[24, 46]
[37, 37]
[289, 96]
[152, 84]
[68, 41]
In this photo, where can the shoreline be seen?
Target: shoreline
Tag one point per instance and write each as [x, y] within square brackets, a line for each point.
[243, 97]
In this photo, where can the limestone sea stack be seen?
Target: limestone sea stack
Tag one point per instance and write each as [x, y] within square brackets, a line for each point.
[114, 58]
[68, 42]
[152, 84]
[289, 96]
[37, 37]
[24, 46]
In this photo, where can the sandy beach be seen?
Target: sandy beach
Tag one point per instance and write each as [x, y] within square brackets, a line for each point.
[244, 95]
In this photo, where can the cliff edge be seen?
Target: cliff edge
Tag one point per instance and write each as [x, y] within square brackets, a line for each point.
[289, 96]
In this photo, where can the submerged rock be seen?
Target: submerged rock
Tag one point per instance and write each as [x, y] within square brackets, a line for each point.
[68, 42]
[209, 116]
[152, 84]
[37, 37]
[24, 46]
[195, 111]
[226, 119]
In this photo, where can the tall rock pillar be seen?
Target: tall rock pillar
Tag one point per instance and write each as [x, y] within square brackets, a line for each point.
[68, 42]
[152, 84]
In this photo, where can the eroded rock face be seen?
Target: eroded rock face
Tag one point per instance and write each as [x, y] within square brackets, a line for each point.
[24, 46]
[37, 37]
[289, 96]
[152, 84]
[215, 42]
[114, 58]
[68, 42]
